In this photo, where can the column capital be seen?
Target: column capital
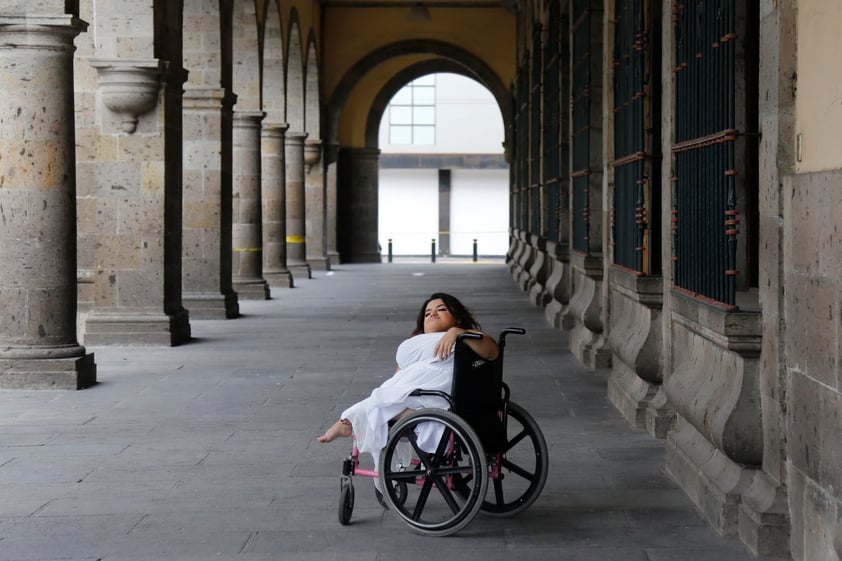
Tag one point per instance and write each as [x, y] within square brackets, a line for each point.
[64, 24]
[248, 118]
[296, 137]
[202, 97]
[359, 153]
[273, 130]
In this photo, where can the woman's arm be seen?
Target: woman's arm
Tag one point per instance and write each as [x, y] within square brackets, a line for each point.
[485, 347]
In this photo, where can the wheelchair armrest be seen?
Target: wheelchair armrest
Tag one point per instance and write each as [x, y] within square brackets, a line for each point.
[419, 392]
[468, 335]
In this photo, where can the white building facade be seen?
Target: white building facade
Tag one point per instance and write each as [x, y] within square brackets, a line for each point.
[443, 177]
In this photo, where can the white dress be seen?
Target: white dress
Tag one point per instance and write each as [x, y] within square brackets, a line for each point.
[419, 368]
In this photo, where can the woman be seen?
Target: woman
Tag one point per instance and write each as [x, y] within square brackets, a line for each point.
[425, 361]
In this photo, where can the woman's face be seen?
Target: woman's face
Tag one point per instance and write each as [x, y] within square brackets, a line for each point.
[437, 317]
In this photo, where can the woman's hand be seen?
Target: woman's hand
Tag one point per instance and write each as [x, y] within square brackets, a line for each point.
[444, 347]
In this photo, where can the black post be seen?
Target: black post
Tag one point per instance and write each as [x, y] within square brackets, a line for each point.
[475, 250]
[390, 250]
[433, 250]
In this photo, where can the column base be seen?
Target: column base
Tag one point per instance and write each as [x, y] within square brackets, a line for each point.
[714, 482]
[137, 327]
[300, 270]
[319, 263]
[279, 279]
[643, 405]
[73, 373]
[252, 289]
[211, 306]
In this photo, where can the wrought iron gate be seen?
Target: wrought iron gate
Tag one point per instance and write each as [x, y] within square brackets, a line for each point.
[581, 117]
[705, 214]
[635, 216]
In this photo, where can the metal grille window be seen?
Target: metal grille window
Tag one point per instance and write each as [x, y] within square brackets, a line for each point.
[552, 122]
[412, 113]
[581, 110]
[636, 208]
[535, 135]
[711, 156]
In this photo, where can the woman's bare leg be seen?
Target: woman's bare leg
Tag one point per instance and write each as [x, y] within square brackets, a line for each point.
[342, 427]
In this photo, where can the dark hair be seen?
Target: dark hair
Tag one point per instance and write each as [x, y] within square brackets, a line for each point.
[463, 316]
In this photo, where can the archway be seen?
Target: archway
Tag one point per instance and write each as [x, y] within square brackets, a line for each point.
[357, 175]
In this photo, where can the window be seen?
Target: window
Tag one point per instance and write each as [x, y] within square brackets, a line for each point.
[635, 204]
[412, 113]
[715, 201]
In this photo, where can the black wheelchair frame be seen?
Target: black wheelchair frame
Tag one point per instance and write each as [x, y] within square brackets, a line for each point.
[483, 436]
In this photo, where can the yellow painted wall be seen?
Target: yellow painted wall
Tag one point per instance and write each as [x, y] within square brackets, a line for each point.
[818, 103]
[355, 113]
[350, 34]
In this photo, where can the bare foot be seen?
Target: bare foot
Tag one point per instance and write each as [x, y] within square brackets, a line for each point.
[337, 429]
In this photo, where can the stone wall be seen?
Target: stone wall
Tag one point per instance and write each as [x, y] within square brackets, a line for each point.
[812, 255]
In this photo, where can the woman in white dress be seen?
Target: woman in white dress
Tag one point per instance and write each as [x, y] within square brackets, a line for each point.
[425, 361]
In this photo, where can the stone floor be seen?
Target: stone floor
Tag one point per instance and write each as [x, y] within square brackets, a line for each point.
[206, 451]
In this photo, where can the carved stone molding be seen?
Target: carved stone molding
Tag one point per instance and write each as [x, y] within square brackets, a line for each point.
[312, 154]
[129, 87]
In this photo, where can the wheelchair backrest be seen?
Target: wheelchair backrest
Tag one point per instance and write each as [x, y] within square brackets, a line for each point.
[477, 394]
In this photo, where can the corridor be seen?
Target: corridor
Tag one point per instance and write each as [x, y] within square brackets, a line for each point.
[206, 451]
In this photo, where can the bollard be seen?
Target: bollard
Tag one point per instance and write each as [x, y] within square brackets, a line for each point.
[475, 250]
[390, 250]
[433, 250]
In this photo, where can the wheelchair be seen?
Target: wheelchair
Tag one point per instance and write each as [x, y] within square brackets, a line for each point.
[441, 467]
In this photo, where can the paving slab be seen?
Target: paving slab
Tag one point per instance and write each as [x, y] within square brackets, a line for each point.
[206, 451]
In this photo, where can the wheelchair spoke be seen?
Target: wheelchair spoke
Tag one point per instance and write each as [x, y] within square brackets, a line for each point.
[513, 467]
[516, 439]
[422, 499]
[447, 495]
[498, 492]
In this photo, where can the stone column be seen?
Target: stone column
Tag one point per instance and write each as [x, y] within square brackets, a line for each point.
[206, 274]
[329, 155]
[275, 269]
[296, 236]
[38, 343]
[137, 196]
[247, 256]
[357, 191]
[314, 194]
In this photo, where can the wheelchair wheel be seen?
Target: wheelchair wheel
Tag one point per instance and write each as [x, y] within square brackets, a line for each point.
[346, 502]
[523, 466]
[446, 478]
[400, 494]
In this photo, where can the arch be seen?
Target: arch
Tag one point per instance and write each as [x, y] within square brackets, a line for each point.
[273, 93]
[467, 63]
[381, 101]
[312, 89]
[246, 56]
[294, 76]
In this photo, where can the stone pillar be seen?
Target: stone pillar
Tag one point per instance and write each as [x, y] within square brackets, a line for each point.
[247, 238]
[138, 207]
[296, 236]
[38, 343]
[444, 211]
[314, 204]
[357, 193]
[206, 274]
[329, 155]
[275, 269]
